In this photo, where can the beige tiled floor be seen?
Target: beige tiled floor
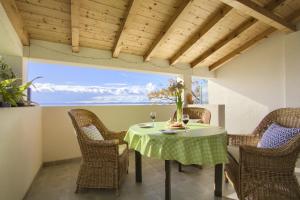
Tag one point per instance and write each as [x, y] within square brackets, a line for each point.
[58, 183]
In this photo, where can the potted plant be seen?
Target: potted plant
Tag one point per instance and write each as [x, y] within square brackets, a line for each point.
[6, 71]
[11, 93]
[11, 89]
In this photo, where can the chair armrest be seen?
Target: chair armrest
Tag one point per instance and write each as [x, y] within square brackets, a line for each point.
[238, 140]
[102, 143]
[277, 159]
[116, 136]
[100, 150]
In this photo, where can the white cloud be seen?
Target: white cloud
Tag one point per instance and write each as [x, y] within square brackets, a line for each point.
[112, 93]
[119, 98]
[150, 87]
[109, 89]
[116, 84]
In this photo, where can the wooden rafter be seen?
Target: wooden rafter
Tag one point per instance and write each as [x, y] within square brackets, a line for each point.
[211, 21]
[75, 24]
[165, 33]
[129, 16]
[251, 42]
[262, 14]
[235, 33]
[242, 48]
[16, 20]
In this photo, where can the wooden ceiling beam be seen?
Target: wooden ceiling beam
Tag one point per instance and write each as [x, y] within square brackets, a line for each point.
[16, 20]
[235, 33]
[210, 22]
[129, 16]
[274, 4]
[262, 14]
[75, 24]
[167, 31]
[245, 46]
[219, 63]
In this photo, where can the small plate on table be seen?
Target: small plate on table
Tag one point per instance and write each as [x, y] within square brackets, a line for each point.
[145, 125]
[168, 132]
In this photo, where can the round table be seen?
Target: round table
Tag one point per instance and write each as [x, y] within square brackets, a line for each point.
[202, 144]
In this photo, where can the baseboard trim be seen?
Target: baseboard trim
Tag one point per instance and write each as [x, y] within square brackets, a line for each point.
[59, 162]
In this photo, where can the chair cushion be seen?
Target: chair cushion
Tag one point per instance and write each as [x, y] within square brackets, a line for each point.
[234, 152]
[122, 148]
[92, 132]
[276, 136]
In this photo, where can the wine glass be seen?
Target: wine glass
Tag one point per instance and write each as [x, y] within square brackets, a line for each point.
[153, 116]
[185, 120]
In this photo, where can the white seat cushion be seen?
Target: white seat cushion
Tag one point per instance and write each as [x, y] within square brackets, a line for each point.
[122, 148]
[234, 151]
[92, 132]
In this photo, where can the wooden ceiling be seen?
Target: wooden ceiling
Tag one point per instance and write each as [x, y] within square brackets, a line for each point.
[199, 32]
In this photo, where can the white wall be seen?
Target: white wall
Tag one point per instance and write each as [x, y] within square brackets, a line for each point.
[258, 81]
[292, 64]
[59, 139]
[20, 150]
[251, 85]
[11, 48]
[20, 128]
[55, 52]
[10, 43]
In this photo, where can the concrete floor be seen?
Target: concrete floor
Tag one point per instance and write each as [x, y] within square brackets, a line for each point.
[58, 183]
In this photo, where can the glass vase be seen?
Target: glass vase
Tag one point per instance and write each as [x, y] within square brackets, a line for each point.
[179, 112]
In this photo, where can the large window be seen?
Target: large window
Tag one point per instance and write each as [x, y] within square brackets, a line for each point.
[72, 85]
[200, 91]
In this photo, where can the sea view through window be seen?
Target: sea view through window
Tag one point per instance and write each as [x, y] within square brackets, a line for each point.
[63, 84]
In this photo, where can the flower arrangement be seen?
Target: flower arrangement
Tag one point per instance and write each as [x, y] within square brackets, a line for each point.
[173, 92]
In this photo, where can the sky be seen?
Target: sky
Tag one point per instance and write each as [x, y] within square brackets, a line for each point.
[62, 84]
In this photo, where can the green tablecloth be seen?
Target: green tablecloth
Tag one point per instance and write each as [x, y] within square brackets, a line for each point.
[202, 144]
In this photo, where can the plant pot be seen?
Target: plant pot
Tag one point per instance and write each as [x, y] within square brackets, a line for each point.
[21, 104]
[4, 105]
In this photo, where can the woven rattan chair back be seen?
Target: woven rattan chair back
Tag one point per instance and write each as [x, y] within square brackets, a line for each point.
[287, 117]
[202, 114]
[81, 118]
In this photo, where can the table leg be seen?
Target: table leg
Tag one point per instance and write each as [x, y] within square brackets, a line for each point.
[218, 179]
[168, 180]
[179, 167]
[138, 167]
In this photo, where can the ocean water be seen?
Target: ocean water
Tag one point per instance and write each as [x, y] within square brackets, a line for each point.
[103, 104]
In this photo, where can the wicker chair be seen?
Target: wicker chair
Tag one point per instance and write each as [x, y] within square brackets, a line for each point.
[202, 114]
[196, 113]
[103, 165]
[265, 174]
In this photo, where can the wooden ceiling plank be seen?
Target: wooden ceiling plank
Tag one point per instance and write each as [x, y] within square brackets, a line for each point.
[168, 28]
[129, 16]
[251, 42]
[251, 8]
[235, 33]
[75, 24]
[211, 22]
[16, 20]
